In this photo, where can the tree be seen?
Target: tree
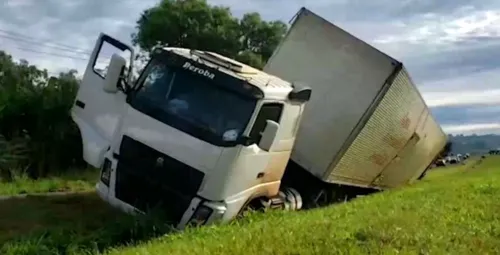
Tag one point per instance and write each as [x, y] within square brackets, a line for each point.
[35, 112]
[259, 36]
[190, 24]
[195, 24]
[250, 58]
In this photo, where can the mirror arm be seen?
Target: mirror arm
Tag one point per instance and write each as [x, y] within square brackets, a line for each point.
[123, 84]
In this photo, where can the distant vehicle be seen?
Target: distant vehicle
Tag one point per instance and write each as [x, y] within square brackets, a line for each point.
[441, 162]
[494, 152]
[452, 160]
[460, 157]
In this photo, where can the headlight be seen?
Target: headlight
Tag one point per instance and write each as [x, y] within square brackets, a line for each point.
[201, 215]
[106, 172]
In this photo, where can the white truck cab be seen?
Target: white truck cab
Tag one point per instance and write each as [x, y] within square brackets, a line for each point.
[198, 134]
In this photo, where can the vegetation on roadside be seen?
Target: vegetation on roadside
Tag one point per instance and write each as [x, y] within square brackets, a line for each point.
[69, 224]
[453, 210]
[195, 24]
[71, 181]
[36, 131]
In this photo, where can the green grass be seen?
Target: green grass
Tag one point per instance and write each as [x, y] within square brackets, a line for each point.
[442, 172]
[74, 181]
[68, 224]
[454, 210]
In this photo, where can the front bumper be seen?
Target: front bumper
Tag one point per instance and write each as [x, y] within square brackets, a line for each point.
[199, 212]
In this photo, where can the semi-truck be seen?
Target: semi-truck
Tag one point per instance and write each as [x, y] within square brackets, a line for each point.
[202, 137]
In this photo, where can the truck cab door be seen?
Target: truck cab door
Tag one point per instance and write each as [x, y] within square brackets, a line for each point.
[97, 112]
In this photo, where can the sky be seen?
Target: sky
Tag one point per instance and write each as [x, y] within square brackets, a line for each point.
[450, 47]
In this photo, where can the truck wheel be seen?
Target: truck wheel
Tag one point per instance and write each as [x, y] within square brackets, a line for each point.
[287, 199]
[292, 198]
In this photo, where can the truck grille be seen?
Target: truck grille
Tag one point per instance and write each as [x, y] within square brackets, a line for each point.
[147, 179]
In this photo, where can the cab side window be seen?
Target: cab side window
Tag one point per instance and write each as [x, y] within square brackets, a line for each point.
[108, 47]
[268, 111]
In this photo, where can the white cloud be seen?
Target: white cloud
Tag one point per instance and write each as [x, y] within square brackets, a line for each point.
[463, 97]
[454, 57]
[443, 31]
[468, 129]
[18, 3]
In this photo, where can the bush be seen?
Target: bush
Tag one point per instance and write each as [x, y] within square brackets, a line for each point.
[35, 114]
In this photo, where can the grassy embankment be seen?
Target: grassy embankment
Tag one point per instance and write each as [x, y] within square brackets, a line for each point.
[454, 210]
[73, 181]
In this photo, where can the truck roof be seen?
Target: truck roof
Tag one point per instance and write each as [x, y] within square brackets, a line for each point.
[272, 86]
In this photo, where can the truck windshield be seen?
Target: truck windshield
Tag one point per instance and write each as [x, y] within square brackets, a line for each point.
[193, 104]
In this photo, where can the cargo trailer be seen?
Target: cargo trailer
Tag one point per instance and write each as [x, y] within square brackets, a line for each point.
[366, 123]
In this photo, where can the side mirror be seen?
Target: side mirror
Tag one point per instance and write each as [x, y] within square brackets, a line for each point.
[114, 73]
[269, 135]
